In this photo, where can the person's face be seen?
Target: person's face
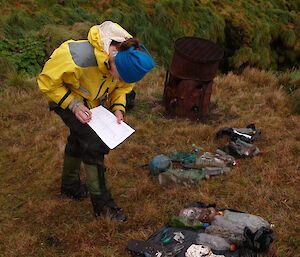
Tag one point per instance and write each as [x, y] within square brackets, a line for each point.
[113, 69]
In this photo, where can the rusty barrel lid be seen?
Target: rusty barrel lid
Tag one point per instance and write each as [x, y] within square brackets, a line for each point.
[195, 58]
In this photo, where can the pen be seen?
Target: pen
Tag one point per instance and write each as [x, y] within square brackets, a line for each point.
[82, 110]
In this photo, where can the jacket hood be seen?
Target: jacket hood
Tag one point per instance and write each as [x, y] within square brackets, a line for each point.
[101, 36]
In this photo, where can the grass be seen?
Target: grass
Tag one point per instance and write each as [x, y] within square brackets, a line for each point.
[36, 222]
[261, 34]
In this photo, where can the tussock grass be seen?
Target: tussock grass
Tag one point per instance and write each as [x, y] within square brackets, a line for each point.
[56, 35]
[35, 221]
[261, 34]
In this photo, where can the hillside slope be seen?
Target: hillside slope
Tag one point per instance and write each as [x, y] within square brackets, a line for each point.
[264, 34]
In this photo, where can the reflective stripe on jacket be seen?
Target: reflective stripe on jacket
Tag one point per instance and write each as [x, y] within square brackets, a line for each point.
[77, 69]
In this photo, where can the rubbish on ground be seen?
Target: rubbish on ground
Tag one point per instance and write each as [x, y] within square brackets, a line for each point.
[159, 163]
[239, 148]
[206, 160]
[181, 177]
[248, 134]
[227, 237]
[164, 237]
[169, 179]
[251, 221]
[227, 158]
[148, 249]
[195, 166]
[212, 171]
[200, 251]
[183, 157]
[179, 237]
[202, 214]
[212, 241]
[232, 231]
[260, 240]
[186, 222]
[230, 236]
[197, 148]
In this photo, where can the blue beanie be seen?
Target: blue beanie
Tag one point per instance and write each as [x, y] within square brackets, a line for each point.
[133, 65]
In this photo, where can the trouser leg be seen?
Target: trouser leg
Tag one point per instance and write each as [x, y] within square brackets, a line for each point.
[71, 171]
[95, 174]
[102, 201]
[70, 181]
[92, 151]
[71, 185]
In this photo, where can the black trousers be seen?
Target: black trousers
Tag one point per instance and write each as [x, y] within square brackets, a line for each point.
[82, 142]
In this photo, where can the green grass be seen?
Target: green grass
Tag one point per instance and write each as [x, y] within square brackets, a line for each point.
[269, 29]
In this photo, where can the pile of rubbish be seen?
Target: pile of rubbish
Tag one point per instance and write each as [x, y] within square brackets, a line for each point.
[202, 230]
[188, 168]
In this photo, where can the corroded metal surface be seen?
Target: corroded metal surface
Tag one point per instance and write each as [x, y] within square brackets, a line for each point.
[188, 84]
[186, 98]
[195, 58]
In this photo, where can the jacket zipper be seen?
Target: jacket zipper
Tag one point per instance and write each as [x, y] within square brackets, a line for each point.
[99, 89]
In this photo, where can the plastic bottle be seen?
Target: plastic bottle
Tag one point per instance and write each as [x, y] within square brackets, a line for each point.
[228, 159]
[209, 160]
[186, 222]
[200, 214]
[230, 236]
[230, 225]
[213, 171]
[253, 222]
[212, 241]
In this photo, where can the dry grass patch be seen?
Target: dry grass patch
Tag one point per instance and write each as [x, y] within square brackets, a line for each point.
[37, 222]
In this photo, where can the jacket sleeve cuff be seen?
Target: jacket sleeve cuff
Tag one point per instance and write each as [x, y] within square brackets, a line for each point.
[115, 107]
[66, 100]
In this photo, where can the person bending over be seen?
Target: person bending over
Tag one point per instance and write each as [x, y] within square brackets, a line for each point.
[81, 75]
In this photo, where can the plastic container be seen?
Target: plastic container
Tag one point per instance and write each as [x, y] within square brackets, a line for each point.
[209, 160]
[158, 164]
[212, 241]
[253, 222]
[231, 236]
[233, 226]
[186, 222]
[200, 214]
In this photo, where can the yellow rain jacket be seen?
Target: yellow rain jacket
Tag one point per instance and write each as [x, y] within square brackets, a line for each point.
[77, 69]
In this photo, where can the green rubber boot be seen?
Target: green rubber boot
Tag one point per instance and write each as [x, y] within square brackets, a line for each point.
[71, 186]
[101, 198]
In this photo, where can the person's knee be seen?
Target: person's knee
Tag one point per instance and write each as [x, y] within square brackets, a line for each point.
[73, 149]
[94, 151]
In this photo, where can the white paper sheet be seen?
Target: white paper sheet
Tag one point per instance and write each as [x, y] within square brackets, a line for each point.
[105, 124]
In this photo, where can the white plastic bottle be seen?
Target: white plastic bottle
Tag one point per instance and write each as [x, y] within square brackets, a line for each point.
[212, 241]
[233, 226]
[251, 221]
[230, 236]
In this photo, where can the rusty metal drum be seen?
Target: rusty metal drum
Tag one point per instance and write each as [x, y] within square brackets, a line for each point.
[189, 80]
[195, 58]
[186, 98]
